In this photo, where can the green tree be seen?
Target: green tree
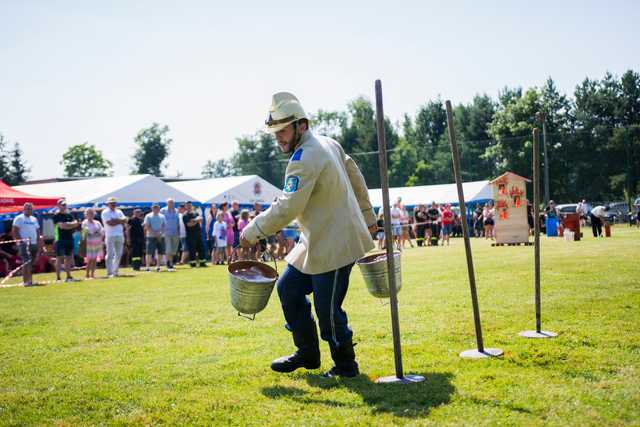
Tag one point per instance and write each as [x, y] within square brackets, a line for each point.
[152, 149]
[5, 168]
[18, 168]
[430, 126]
[360, 139]
[329, 123]
[85, 160]
[217, 169]
[259, 155]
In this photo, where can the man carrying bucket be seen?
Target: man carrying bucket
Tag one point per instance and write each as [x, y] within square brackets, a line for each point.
[319, 175]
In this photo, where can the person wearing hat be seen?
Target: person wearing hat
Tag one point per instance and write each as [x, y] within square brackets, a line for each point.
[65, 225]
[319, 175]
[113, 220]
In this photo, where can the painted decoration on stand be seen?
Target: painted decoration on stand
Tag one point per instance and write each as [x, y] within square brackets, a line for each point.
[509, 194]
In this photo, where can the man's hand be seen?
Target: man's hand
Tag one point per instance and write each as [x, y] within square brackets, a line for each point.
[244, 242]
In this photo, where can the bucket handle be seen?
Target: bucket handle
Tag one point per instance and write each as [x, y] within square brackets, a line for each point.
[252, 317]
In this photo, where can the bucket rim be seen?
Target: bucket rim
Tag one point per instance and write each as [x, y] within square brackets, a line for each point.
[266, 269]
[367, 258]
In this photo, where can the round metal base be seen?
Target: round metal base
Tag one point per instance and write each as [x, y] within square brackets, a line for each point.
[536, 334]
[407, 379]
[475, 354]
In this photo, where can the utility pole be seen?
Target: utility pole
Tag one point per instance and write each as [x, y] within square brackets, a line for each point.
[543, 120]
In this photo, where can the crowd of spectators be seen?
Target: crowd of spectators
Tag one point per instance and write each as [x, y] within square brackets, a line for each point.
[427, 225]
[163, 237]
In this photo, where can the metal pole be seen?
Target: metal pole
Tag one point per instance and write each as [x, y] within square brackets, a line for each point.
[538, 333]
[455, 153]
[465, 228]
[384, 181]
[547, 196]
[536, 224]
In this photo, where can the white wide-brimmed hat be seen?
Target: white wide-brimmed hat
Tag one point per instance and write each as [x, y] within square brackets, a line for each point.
[285, 109]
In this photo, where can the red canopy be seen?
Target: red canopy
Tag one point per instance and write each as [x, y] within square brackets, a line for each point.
[12, 200]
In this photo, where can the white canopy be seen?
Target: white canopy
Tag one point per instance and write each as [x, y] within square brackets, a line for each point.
[129, 190]
[246, 189]
[474, 192]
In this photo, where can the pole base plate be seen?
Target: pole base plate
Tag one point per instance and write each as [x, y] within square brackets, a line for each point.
[407, 379]
[475, 354]
[536, 334]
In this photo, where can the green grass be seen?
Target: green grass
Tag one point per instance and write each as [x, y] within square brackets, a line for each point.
[170, 349]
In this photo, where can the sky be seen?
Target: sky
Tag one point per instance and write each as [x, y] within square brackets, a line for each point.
[76, 71]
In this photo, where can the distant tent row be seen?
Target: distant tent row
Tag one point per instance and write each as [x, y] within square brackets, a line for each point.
[475, 192]
[143, 190]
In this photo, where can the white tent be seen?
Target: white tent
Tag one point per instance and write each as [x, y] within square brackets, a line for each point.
[246, 189]
[129, 190]
[474, 192]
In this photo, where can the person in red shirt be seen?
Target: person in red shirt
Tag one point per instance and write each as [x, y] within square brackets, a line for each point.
[447, 223]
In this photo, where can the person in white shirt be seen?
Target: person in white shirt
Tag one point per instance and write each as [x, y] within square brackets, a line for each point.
[396, 224]
[220, 234]
[25, 226]
[598, 216]
[113, 220]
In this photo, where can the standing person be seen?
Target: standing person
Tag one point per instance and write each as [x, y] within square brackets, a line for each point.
[380, 229]
[404, 222]
[396, 225]
[487, 221]
[135, 237]
[243, 253]
[583, 211]
[154, 226]
[25, 227]
[171, 232]
[220, 228]
[193, 225]
[184, 256]
[261, 246]
[420, 216]
[598, 216]
[235, 244]
[318, 177]
[114, 221]
[433, 213]
[210, 219]
[447, 223]
[478, 224]
[63, 239]
[228, 219]
[93, 234]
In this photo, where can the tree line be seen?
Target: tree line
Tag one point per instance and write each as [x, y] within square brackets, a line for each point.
[593, 140]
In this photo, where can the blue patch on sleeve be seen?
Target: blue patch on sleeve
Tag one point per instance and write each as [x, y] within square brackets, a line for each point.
[291, 184]
[296, 156]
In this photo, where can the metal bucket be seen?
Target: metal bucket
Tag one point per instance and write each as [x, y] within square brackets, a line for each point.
[250, 295]
[374, 270]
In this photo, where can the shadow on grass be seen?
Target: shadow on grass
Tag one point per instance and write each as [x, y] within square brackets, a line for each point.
[403, 400]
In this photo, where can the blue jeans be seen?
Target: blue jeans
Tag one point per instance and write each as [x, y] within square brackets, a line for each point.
[329, 290]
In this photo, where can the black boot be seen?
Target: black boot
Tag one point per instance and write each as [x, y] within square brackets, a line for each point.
[306, 356]
[345, 361]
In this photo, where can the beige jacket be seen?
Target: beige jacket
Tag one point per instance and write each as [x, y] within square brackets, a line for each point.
[325, 191]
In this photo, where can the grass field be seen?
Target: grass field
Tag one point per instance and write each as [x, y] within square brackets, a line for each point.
[168, 348]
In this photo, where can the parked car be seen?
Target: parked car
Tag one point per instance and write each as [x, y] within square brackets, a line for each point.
[618, 211]
[570, 208]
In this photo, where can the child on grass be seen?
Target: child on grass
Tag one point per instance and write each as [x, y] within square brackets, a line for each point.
[220, 233]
